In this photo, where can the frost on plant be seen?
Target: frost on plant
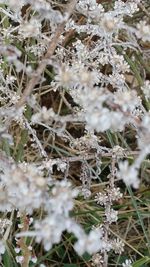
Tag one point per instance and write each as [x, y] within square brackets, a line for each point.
[74, 130]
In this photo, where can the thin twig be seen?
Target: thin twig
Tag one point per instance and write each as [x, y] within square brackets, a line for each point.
[92, 156]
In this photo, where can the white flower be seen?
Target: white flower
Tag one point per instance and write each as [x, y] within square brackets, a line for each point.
[143, 31]
[24, 186]
[97, 260]
[114, 193]
[90, 8]
[128, 174]
[65, 77]
[17, 250]
[101, 198]
[34, 259]
[61, 166]
[10, 79]
[109, 23]
[118, 62]
[62, 197]
[49, 230]
[127, 263]
[89, 243]
[99, 120]
[44, 115]
[111, 215]
[86, 193]
[117, 246]
[2, 247]
[146, 89]
[30, 28]
[127, 100]
[128, 8]
[144, 134]
[38, 50]
[116, 79]
[19, 259]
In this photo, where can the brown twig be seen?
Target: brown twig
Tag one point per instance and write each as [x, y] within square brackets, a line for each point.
[22, 242]
[102, 154]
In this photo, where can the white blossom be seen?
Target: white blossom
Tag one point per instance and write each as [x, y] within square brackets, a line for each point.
[146, 89]
[128, 174]
[143, 31]
[90, 243]
[30, 28]
[111, 215]
[118, 245]
[101, 198]
[2, 247]
[127, 263]
[19, 259]
[24, 187]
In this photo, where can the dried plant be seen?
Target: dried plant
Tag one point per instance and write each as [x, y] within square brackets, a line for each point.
[74, 133]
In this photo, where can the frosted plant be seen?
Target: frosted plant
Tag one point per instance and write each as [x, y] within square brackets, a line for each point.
[74, 121]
